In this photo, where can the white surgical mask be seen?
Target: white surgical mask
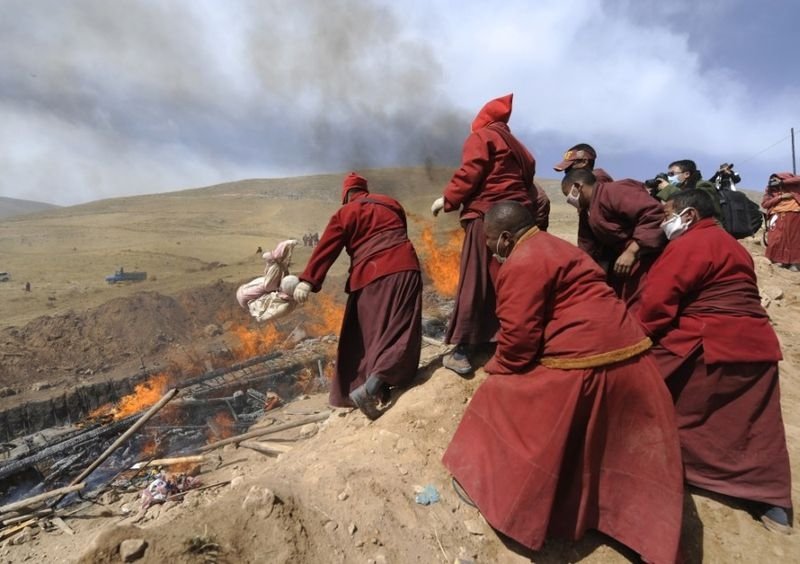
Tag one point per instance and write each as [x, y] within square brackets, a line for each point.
[574, 198]
[673, 179]
[498, 257]
[674, 227]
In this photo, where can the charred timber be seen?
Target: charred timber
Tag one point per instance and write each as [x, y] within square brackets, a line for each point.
[13, 467]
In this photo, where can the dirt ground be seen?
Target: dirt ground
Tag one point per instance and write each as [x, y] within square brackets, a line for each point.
[346, 490]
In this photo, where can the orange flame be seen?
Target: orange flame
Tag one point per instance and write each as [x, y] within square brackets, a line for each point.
[221, 426]
[144, 395]
[254, 342]
[329, 316]
[441, 262]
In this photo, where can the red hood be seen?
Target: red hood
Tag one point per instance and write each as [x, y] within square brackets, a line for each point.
[498, 109]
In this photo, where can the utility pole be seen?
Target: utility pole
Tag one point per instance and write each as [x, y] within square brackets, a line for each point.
[794, 161]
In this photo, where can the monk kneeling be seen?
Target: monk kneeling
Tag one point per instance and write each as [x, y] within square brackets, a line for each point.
[573, 429]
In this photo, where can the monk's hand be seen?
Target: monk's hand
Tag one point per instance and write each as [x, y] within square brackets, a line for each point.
[623, 265]
[438, 205]
[301, 292]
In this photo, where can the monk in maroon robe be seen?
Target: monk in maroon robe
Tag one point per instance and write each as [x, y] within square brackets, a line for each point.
[573, 429]
[583, 156]
[624, 222]
[380, 340]
[495, 167]
[782, 202]
[719, 356]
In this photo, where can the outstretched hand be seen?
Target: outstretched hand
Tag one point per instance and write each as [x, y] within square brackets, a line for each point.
[438, 205]
[301, 292]
[624, 263]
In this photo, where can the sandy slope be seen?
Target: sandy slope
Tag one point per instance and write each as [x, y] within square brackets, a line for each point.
[346, 494]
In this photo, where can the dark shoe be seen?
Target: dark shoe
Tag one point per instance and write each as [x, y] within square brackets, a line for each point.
[461, 493]
[458, 361]
[367, 403]
[776, 519]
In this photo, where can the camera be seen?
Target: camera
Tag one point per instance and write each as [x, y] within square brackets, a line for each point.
[653, 183]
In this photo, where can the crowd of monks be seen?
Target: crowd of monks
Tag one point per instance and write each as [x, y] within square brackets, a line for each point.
[617, 371]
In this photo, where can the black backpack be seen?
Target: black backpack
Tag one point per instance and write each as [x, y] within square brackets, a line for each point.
[741, 216]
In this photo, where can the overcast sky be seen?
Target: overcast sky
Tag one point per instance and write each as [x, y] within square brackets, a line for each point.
[101, 99]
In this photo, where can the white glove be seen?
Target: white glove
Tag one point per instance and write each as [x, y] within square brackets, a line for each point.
[301, 292]
[438, 205]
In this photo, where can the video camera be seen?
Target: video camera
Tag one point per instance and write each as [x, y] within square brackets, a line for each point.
[653, 183]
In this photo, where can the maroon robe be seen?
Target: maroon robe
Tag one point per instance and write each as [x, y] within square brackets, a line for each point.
[381, 330]
[783, 227]
[718, 354]
[574, 428]
[622, 212]
[495, 167]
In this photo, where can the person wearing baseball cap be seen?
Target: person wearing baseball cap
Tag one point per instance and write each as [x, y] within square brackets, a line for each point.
[582, 155]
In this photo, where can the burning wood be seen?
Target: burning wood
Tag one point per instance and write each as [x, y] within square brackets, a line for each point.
[8, 508]
[268, 431]
[271, 449]
[196, 459]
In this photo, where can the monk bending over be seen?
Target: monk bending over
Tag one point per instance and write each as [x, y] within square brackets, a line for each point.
[573, 429]
[381, 336]
[719, 356]
[623, 220]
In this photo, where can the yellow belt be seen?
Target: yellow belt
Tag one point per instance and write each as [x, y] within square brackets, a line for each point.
[596, 360]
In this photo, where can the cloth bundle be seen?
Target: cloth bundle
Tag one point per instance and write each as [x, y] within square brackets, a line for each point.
[269, 297]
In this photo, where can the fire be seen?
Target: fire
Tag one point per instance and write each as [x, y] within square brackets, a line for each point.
[254, 342]
[144, 395]
[441, 262]
[221, 426]
[328, 318]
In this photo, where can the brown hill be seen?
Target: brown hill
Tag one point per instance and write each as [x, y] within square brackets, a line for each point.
[11, 207]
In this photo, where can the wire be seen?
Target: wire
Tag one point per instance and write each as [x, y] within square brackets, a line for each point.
[778, 142]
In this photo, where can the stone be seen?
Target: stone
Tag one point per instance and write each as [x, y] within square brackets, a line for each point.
[5, 392]
[212, 330]
[261, 500]
[39, 386]
[774, 293]
[131, 550]
[342, 496]
[474, 527]
[308, 430]
[352, 529]
[236, 482]
[331, 526]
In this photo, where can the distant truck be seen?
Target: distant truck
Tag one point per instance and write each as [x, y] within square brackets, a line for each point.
[5, 277]
[122, 276]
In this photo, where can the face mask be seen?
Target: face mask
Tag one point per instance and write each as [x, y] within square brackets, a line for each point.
[574, 198]
[674, 227]
[498, 257]
[673, 179]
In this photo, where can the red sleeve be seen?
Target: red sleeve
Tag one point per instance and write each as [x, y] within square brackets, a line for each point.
[475, 166]
[674, 275]
[521, 307]
[769, 200]
[643, 212]
[325, 253]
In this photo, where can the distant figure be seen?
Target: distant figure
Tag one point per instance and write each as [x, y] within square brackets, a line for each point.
[381, 336]
[495, 167]
[573, 429]
[782, 203]
[259, 251]
[315, 240]
[725, 178]
[305, 239]
[27, 286]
